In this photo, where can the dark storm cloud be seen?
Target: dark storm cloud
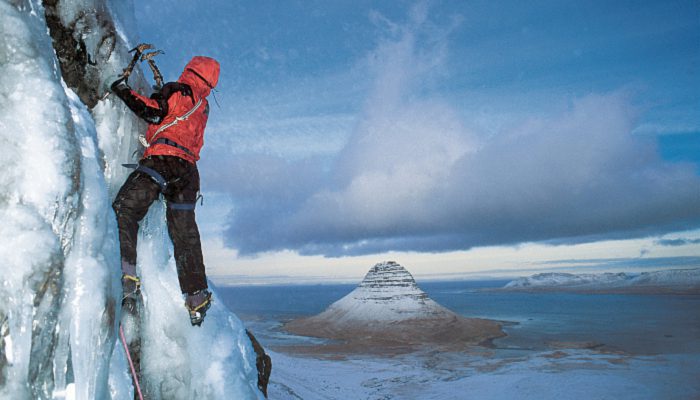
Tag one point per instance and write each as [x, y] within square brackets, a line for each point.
[411, 182]
[676, 242]
[412, 177]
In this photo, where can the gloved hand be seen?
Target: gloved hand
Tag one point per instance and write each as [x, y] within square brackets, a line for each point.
[186, 91]
[120, 84]
[172, 87]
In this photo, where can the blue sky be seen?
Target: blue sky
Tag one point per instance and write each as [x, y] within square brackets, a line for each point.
[434, 129]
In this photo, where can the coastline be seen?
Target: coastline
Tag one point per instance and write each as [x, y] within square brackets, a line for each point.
[603, 347]
[396, 337]
[643, 290]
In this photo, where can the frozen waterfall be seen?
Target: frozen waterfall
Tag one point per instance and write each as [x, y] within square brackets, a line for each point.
[61, 153]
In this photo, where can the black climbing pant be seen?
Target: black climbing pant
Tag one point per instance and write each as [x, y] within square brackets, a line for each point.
[135, 198]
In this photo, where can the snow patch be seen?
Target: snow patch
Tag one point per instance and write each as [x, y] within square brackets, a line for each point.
[580, 375]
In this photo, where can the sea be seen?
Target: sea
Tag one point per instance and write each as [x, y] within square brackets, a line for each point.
[632, 323]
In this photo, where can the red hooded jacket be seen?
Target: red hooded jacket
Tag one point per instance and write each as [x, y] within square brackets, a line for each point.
[180, 131]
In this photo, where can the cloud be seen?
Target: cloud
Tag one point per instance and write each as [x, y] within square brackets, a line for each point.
[676, 242]
[413, 177]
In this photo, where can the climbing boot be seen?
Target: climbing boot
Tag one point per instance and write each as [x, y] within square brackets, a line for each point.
[197, 303]
[131, 286]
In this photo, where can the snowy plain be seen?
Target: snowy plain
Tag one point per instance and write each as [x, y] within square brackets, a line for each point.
[580, 375]
[564, 346]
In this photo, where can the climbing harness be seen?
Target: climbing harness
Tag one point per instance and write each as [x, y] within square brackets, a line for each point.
[158, 178]
[182, 206]
[173, 144]
[187, 206]
[131, 363]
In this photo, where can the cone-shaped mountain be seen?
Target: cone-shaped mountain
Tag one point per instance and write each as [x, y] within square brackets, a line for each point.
[389, 308]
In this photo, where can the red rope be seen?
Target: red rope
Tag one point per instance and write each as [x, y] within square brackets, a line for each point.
[131, 363]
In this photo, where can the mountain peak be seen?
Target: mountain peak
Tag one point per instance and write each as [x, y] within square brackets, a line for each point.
[388, 293]
[389, 306]
[388, 274]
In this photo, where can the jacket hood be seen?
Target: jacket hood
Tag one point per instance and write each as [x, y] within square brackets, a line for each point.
[202, 74]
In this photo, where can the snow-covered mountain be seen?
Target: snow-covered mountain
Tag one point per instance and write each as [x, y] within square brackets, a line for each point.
[388, 305]
[676, 280]
[555, 279]
[63, 144]
[387, 293]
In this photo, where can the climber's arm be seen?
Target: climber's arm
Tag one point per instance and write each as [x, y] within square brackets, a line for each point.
[151, 110]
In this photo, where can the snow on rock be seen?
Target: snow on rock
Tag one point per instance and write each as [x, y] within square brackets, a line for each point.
[674, 277]
[387, 293]
[62, 146]
[676, 280]
[564, 279]
[389, 307]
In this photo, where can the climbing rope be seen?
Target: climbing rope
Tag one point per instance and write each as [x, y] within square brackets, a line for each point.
[131, 363]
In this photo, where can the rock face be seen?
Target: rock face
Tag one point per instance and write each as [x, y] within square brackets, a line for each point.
[388, 308]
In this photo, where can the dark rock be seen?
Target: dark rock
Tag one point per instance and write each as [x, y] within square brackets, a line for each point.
[80, 64]
[263, 363]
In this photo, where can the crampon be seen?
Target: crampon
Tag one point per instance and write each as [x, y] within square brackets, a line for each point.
[197, 304]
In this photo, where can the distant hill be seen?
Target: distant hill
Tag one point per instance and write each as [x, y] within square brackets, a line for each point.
[388, 308]
[674, 281]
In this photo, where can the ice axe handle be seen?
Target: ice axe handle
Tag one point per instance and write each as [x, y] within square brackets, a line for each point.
[157, 76]
[137, 55]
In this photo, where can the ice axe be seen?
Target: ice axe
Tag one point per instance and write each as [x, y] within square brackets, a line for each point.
[157, 76]
[138, 51]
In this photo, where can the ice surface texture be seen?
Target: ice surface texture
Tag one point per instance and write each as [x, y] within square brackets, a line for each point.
[59, 248]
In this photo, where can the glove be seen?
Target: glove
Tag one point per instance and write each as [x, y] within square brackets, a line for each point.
[120, 84]
[186, 90]
[172, 87]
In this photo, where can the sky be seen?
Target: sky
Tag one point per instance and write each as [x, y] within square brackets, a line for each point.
[461, 139]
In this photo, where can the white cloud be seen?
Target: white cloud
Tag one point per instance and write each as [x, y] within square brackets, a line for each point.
[412, 176]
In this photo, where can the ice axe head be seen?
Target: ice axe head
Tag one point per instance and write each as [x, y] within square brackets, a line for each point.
[141, 48]
[149, 56]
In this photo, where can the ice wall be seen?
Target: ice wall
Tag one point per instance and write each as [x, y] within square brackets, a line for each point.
[62, 146]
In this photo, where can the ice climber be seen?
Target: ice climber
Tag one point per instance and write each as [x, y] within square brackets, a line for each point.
[177, 116]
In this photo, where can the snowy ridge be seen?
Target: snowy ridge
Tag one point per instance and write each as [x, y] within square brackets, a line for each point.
[679, 279]
[566, 279]
[387, 293]
[674, 277]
